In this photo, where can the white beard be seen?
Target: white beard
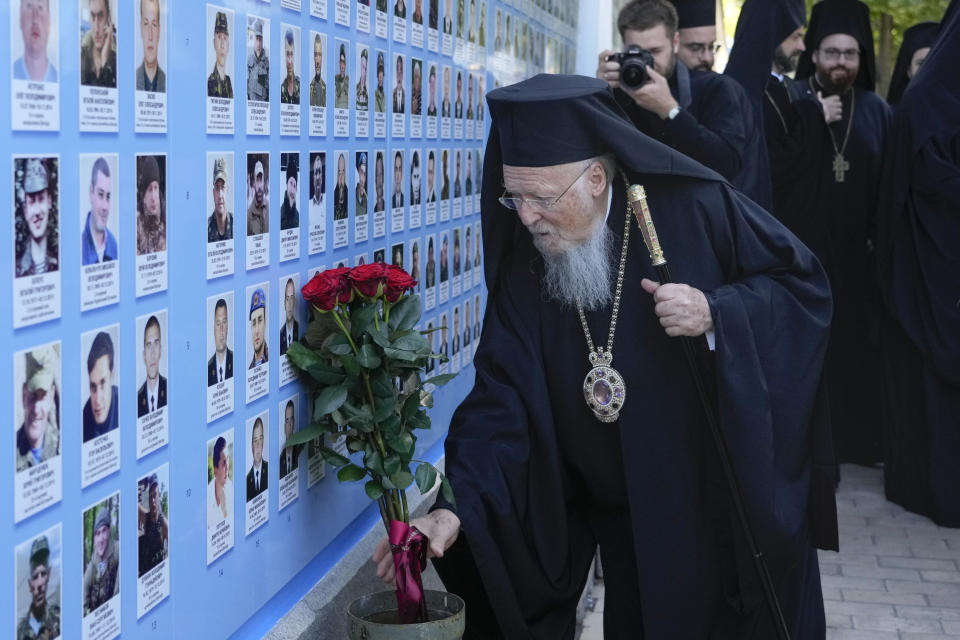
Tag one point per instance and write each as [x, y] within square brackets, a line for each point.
[582, 273]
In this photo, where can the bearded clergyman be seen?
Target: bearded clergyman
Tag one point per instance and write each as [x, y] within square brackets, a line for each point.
[584, 428]
[838, 71]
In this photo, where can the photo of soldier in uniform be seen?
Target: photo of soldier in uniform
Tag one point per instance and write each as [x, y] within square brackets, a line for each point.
[38, 582]
[318, 86]
[36, 216]
[290, 86]
[361, 95]
[258, 59]
[258, 329]
[153, 526]
[220, 220]
[220, 364]
[34, 51]
[341, 80]
[219, 84]
[258, 193]
[101, 553]
[37, 410]
[361, 186]
[98, 44]
[152, 393]
[380, 96]
[151, 204]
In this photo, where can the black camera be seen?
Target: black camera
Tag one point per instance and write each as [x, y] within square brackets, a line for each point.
[633, 66]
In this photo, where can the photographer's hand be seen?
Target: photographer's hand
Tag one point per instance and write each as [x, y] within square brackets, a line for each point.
[608, 71]
[654, 96]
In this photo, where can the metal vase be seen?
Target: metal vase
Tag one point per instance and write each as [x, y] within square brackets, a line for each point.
[374, 617]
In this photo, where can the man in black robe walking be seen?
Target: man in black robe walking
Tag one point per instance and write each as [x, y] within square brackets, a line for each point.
[837, 69]
[918, 254]
[701, 114]
[542, 476]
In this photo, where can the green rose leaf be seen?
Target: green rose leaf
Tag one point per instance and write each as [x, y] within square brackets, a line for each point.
[379, 335]
[410, 405]
[402, 479]
[400, 354]
[362, 319]
[413, 342]
[374, 462]
[308, 433]
[328, 400]
[446, 490]
[384, 410]
[392, 464]
[332, 457]
[368, 357]
[426, 477]
[351, 473]
[300, 356]
[338, 344]
[405, 313]
[350, 364]
[373, 489]
[419, 420]
[439, 381]
[355, 444]
[381, 385]
[402, 443]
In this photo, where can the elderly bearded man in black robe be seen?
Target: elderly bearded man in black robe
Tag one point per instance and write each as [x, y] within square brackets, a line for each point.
[540, 480]
[837, 70]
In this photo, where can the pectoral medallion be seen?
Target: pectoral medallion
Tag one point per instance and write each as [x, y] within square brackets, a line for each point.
[603, 388]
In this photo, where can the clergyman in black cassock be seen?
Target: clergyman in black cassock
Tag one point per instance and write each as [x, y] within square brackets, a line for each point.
[843, 215]
[766, 47]
[540, 481]
[918, 253]
[918, 38]
[712, 122]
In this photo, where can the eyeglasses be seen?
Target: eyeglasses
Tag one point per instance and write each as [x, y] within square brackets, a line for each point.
[514, 202]
[832, 55]
[699, 48]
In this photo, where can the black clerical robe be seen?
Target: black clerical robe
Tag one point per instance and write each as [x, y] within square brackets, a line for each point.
[918, 252]
[532, 467]
[842, 225]
[715, 127]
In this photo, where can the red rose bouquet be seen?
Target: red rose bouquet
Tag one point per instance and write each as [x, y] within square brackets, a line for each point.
[362, 361]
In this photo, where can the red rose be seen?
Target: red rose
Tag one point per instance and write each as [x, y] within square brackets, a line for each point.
[368, 279]
[327, 288]
[398, 283]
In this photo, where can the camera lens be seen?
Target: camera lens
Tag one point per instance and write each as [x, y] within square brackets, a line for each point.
[633, 74]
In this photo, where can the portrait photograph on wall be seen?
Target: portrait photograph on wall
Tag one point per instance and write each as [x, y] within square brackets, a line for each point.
[37, 396]
[35, 64]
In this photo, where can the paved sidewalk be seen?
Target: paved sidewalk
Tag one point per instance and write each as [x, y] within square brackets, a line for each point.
[897, 575]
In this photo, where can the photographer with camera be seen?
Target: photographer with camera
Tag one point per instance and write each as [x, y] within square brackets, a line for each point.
[702, 114]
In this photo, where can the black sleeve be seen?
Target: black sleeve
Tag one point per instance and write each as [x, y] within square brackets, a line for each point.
[716, 136]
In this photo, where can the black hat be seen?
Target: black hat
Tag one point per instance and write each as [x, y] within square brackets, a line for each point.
[149, 172]
[553, 119]
[851, 17]
[915, 38]
[763, 25]
[696, 13]
[292, 167]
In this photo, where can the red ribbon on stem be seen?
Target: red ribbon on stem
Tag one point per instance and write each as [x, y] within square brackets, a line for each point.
[409, 548]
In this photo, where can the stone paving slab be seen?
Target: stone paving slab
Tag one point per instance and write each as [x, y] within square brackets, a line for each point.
[896, 577]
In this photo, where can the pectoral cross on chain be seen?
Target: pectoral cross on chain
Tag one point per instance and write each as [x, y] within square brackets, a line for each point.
[840, 167]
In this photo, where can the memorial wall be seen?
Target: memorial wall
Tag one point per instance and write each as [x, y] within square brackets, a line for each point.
[178, 170]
